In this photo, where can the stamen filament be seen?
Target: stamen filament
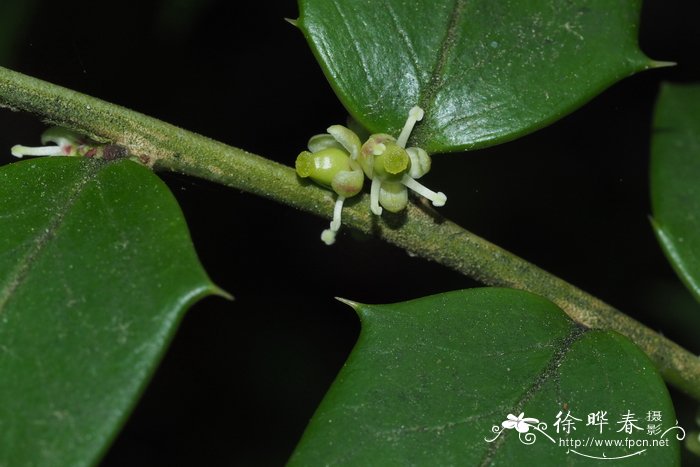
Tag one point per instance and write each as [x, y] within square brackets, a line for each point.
[21, 151]
[328, 235]
[438, 199]
[337, 210]
[414, 115]
[374, 197]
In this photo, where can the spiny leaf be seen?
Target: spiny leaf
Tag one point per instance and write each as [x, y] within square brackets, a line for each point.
[484, 71]
[96, 271]
[431, 380]
[675, 177]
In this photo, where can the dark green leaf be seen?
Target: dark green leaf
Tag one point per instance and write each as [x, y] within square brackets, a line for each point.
[484, 71]
[96, 271]
[675, 180]
[430, 378]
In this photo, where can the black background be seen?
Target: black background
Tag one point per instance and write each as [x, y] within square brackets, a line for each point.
[242, 378]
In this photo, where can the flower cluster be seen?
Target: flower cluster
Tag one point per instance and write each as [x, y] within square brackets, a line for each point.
[337, 160]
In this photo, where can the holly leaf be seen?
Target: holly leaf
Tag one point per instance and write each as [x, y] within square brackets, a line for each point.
[432, 381]
[96, 270]
[675, 171]
[484, 71]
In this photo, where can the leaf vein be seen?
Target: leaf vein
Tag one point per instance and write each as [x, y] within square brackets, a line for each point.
[406, 40]
[355, 43]
[551, 370]
[19, 274]
[435, 83]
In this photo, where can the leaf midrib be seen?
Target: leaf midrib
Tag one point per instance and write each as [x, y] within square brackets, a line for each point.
[20, 272]
[548, 372]
[435, 82]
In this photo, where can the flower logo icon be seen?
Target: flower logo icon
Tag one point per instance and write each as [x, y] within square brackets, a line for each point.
[520, 423]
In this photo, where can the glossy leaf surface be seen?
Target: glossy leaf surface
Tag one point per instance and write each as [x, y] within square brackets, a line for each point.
[430, 381]
[675, 180]
[484, 71]
[96, 270]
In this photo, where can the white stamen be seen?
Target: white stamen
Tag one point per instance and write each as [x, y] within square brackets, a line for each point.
[414, 115]
[438, 199]
[374, 197]
[21, 151]
[337, 210]
[328, 235]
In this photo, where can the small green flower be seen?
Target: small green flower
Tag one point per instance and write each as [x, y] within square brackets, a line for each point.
[337, 160]
[393, 168]
[330, 163]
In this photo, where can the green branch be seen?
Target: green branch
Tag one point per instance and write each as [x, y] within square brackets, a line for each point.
[419, 231]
